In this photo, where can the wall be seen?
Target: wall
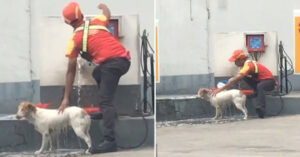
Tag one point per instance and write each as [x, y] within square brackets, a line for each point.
[255, 15]
[183, 48]
[54, 38]
[51, 44]
[186, 48]
[18, 80]
[29, 32]
[226, 43]
[53, 64]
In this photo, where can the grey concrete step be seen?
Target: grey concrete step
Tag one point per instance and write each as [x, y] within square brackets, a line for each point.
[19, 135]
[179, 107]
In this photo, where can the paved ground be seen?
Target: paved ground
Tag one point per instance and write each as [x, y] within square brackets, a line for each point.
[140, 152]
[270, 137]
[143, 152]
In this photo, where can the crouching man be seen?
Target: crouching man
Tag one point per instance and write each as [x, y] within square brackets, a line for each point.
[257, 76]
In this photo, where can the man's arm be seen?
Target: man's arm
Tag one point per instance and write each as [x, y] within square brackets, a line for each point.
[105, 10]
[231, 81]
[69, 83]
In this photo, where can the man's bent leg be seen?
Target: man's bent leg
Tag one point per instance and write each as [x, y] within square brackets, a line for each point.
[110, 74]
[265, 85]
[253, 84]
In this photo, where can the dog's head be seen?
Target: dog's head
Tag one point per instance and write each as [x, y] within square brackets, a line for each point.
[203, 93]
[25, 109]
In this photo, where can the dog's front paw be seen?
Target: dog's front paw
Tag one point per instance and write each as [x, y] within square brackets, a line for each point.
[215, 118]
[37, 152]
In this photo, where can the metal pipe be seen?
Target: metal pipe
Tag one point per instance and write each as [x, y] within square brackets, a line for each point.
[152, 81]
[285, 73]
[280, 66]
[145, 52]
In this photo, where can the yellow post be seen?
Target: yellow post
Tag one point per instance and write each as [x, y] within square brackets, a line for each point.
[297, 43]
[156, 56]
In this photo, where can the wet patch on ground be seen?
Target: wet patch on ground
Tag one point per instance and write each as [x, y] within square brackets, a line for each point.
[56, 153]
[199, 121]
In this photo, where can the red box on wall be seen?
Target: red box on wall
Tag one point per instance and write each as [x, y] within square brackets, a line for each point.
[113, 27]
[255, 43]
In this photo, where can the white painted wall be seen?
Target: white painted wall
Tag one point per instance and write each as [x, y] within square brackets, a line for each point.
[187, 47]
[183, 47]
[226, 43]
[50, 34]
[28, 29]
[14, 42]
[253, 15]
[52, 45]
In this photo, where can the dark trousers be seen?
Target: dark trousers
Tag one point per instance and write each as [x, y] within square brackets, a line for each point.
[259, 88]
[107, 76]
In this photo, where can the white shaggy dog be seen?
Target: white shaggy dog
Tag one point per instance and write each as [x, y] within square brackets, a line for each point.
[49, 121]
[224, 99]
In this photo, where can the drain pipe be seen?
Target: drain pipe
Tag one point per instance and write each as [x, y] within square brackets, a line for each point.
[28, 10]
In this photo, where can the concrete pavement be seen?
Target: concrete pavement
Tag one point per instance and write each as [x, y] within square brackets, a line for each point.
[142, 151]
[270, 137]
[139, 152]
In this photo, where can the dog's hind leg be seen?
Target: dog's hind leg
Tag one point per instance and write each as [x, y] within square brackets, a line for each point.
[80, 132]
[241, 105]
[81, 129]
[245, 112]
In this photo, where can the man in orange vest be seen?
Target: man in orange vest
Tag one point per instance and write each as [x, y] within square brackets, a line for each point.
[92, 40]
[255, 75]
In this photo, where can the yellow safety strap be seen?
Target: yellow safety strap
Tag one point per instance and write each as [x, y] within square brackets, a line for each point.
[86, 27]
[92, 27]
[255, 66]
[85, 36]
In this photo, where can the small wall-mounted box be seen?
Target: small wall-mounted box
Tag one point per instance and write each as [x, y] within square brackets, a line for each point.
[114, 26]
[255, 42]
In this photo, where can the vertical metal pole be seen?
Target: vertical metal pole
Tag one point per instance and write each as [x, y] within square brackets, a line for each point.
[152, 82]
[280, 65]
[145, 50]
[285, 73]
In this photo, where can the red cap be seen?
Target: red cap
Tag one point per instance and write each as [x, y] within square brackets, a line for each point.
[236, 55]
[71, 12]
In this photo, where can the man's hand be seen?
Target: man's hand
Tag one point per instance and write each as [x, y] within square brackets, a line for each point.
[101, 6]
[63, 105]
[105, 10]
[215, 92]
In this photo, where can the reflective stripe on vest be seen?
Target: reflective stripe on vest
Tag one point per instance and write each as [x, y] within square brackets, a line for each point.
[255, 67]
[86, 29]
[85, 36]
[92, 27]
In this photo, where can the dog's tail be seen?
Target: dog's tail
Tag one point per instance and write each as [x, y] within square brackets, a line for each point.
[242, 94]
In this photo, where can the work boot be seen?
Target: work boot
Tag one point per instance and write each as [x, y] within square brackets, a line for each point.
[104, 147]
[260, 112]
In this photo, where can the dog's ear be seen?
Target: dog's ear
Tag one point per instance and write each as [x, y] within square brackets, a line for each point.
[206, 90]
[201, 92]
[29, 107]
